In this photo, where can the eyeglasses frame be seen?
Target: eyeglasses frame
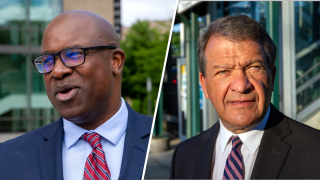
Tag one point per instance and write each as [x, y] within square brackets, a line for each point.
[84, 55]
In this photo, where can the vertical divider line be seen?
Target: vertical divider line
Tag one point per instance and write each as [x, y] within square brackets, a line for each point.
[159, 91]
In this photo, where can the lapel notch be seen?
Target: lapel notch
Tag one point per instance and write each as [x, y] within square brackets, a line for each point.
[50, 152]
[273, 150]
[205, 153]
[135, 145]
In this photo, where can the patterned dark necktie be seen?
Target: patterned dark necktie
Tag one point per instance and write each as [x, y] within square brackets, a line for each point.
[234, 164]
[96, 167]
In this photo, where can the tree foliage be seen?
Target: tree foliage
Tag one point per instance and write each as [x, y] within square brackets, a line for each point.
[145, 50]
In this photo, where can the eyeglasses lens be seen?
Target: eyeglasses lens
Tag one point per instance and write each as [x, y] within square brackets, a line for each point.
[44, 63]
[72, 57]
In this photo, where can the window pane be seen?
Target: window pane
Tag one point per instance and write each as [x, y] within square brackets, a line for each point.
[13, 12]
[13, 97]
[13, 37]
[307, 35]
[253, 9]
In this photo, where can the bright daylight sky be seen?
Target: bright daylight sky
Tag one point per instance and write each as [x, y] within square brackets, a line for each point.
[132, 10]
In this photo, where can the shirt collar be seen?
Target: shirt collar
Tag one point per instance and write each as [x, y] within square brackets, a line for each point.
[112, 129]
[251, 138]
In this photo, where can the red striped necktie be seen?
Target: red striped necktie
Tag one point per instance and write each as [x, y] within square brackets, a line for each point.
[234, 164]
[96, 167]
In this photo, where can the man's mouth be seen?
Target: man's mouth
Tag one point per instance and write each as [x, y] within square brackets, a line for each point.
[65, 93]
[242, 102]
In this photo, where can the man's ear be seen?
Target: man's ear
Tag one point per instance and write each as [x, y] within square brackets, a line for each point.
[274, 70]
[117, 61]
[202, 80]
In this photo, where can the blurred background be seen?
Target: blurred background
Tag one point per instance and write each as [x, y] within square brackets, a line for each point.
[143, 28]
[183, 111]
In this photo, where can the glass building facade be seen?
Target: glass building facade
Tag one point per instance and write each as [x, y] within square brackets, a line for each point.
[23, 101]
[307, 41]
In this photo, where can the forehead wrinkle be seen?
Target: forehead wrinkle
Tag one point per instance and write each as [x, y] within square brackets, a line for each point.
[239, 48]
[222, 67]
[251, 61]
[240, 64]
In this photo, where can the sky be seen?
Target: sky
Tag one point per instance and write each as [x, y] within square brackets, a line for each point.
[133, 10]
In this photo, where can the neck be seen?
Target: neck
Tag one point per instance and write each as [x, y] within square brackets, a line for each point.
[94, 120]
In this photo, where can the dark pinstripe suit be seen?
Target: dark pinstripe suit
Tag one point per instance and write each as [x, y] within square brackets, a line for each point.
[38, 154]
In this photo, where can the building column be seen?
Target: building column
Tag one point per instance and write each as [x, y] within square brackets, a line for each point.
[273, 30]
[193, 81]
[186, 24]
[288, 59]
[158, 129]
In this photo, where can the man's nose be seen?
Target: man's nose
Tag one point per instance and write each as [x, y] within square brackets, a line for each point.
[60, 70]
[240, 83]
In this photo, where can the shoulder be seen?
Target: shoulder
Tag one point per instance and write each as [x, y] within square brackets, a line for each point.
[30, 139]
[304, 132]
[19, 157]
[302, 139]
[138, 123]
[132, 114]
[290, 130]
[207, 136]
[194, 153]
[302, 157]
[191, 142]
[145, 119]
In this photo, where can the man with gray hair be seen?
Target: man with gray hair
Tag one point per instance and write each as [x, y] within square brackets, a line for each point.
[252, 140]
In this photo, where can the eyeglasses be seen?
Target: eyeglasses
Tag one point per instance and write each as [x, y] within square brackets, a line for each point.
[70, 57]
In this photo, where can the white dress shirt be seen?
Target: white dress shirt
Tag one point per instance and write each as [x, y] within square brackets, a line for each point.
[251, 140]
[75, 151]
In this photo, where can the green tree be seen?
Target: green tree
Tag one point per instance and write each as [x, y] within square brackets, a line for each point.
[145, 49]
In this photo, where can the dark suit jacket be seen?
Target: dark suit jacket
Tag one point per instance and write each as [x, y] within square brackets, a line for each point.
[288, 150]
[38, 154]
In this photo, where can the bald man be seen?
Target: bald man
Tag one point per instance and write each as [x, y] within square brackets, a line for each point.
[98, 135]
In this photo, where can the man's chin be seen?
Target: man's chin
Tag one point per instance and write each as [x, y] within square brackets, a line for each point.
[242, 121]
[74, 116]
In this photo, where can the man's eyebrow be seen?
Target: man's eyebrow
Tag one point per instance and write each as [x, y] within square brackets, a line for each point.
[255, 61]
[69, 46]
[246, 64]
[222, 67]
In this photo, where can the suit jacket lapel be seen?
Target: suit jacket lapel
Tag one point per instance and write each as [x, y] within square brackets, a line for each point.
[272, 150]
[50, 152]
[135, 146]
[205, 153]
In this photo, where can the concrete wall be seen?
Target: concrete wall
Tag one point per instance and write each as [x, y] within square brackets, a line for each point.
[104, 8]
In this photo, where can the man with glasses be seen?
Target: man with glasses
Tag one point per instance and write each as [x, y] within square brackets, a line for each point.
[98, 135]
